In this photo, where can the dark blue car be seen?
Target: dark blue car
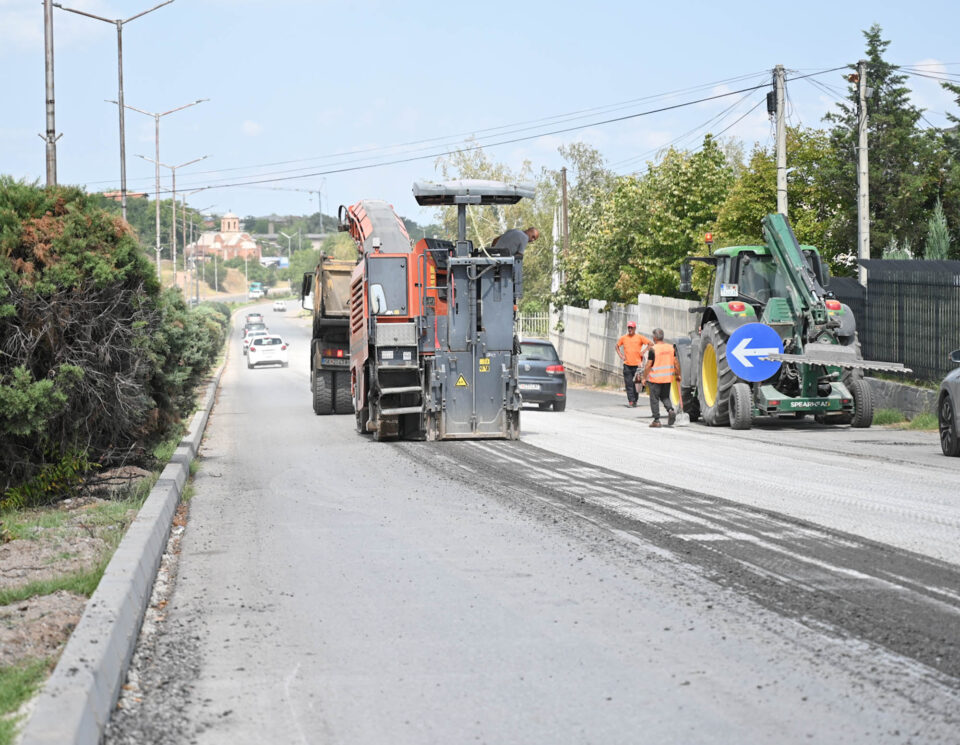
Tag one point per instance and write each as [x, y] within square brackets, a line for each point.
[541, 378]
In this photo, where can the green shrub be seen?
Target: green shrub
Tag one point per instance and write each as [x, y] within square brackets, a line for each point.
[53, 482]
[887, 416]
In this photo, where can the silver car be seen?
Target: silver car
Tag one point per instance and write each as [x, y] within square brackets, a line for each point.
[948, 410]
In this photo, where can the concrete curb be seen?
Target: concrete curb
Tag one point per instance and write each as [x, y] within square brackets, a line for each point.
[909, 399]
[77, 701]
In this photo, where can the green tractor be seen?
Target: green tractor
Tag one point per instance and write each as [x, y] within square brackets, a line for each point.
[770, 341]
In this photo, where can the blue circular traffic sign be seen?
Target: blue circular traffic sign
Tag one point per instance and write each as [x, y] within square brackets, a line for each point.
[746, 348]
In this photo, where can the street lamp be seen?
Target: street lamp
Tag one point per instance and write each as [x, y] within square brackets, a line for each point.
[289, 238]
[173, 224]
[156, 138]
[119, 24]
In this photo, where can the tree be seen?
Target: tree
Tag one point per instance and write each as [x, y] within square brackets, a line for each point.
[652, 222]
[938, 235]
[903, 175]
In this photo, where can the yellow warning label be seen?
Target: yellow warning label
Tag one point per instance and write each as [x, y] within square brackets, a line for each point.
[461, 382]
[483, 364]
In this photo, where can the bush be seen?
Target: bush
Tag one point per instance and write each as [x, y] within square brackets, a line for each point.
[95, 361]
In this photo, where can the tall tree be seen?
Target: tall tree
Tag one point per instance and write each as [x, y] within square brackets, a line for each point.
[902, 181]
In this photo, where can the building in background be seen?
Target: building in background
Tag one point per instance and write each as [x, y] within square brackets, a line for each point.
[227, 243]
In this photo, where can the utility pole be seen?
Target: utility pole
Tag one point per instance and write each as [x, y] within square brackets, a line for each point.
[123, 150]
[863, 173]
[51, 137]
[173, 222]
[156, 140]
[778, 81]
[566, 214]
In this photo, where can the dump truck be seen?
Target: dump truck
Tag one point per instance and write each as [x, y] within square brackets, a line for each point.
[325, 292]
[432, 348]
[770, 340]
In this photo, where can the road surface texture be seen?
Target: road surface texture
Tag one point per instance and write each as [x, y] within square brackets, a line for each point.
[596, 582]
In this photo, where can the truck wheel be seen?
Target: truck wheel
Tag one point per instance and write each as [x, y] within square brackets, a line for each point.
[322, 393]
[343, 401]
[716, 378]
[741, 406]
[691, 405]
[862, 403]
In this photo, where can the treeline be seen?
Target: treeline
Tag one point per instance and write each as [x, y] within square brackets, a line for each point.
[630, 233]
[97, 363]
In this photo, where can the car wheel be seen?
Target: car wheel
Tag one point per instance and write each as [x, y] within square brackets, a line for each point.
[560, 404]
[543, 405]
[949, 437]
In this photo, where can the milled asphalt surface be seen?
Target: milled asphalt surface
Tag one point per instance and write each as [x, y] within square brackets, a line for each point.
[336, 590]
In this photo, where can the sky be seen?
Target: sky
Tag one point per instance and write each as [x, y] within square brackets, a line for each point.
[310, 95]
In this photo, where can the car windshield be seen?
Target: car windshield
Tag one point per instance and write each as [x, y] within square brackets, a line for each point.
[268, 341]
[533, 351]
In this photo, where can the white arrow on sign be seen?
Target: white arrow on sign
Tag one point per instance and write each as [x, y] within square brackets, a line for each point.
[743, 353]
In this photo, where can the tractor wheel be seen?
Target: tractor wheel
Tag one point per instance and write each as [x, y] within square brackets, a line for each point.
[691, 405]
[741, 406]
[949, 437]
[716, 378]
[343, 401]
[862, 403]
[322, 393]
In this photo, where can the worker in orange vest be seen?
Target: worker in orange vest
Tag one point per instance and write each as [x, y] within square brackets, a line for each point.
[659, 372]
[630, 350]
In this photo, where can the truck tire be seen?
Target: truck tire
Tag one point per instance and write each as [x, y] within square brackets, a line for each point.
[343, 401]
[715, 377]
[862, 403]
[741, 406]
[691, 405]
[322, 393]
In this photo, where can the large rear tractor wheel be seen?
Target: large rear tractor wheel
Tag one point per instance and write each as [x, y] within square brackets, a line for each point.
[322, 393]
[343, 401]
[862, 403]
[716, 378]
[741, 406]
[947, 417]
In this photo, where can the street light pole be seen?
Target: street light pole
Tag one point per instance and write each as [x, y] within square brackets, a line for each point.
[289, 238]
[119, 24]
[156, 139]
[173, 223]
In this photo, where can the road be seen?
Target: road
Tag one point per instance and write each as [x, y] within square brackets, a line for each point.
[596, 582]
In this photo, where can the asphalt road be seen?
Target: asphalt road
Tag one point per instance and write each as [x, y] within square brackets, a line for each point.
[596, 582]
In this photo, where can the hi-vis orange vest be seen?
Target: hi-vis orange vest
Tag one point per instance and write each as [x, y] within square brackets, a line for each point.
[663, 363]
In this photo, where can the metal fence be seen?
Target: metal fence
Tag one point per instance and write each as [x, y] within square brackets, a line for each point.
[912, 314]
[535, 325]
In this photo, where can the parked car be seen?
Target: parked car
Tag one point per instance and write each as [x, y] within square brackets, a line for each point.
[267, 350]
[279, 305]
[251, 335]
[541, 378]
[948, 410]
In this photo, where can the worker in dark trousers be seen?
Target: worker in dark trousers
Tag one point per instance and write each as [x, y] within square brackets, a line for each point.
[659, 372]
[630, 348]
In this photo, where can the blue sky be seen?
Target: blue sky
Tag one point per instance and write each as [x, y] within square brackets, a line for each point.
[299, 86]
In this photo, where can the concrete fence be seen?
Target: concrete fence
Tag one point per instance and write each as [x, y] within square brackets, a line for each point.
[586, 338]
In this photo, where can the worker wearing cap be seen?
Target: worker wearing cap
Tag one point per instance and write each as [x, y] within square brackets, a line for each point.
[630, 348]
[661, 368]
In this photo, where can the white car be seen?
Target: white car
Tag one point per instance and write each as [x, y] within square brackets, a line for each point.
[254, 295]
[251, 335]
[279, 305]
[267, 350]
